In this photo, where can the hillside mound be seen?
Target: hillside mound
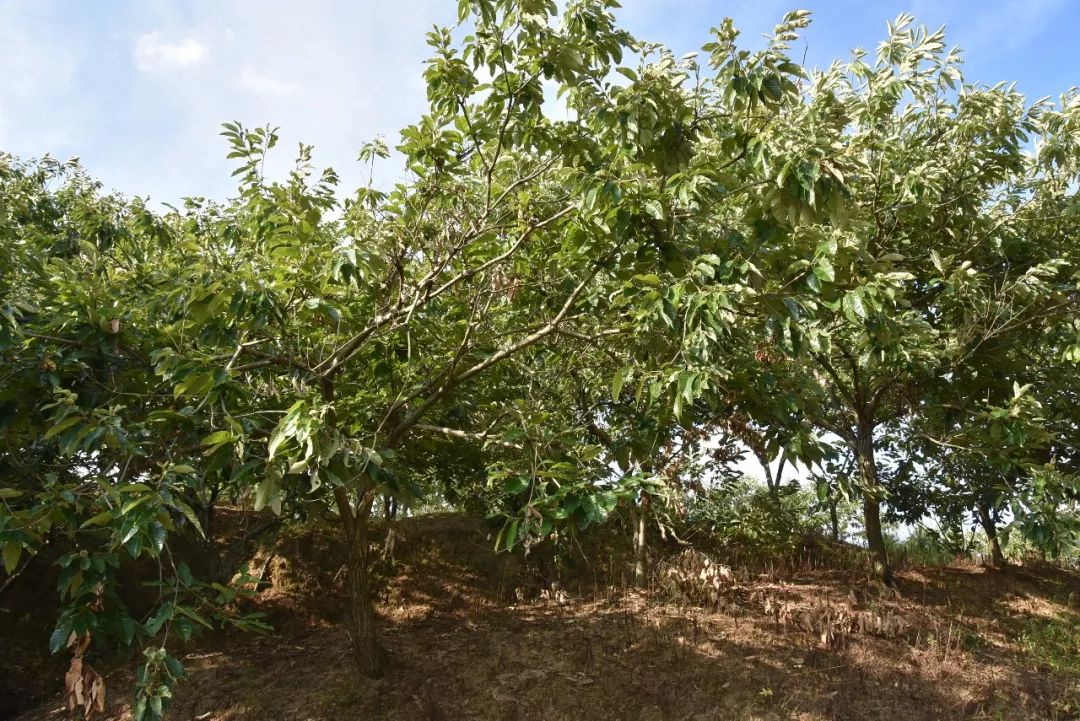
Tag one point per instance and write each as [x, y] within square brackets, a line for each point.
[477, 635]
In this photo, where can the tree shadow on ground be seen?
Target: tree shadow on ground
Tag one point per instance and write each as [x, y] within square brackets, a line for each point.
[465, 646]
[626, 660]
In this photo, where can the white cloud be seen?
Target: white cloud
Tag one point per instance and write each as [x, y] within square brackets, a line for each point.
[257, 82]
[39, 70]
[152, 53]
[335, 75]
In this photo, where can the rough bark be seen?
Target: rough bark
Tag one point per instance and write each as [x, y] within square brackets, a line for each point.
[368, 654]
[986, 520]
[871, 493]
[875, 539]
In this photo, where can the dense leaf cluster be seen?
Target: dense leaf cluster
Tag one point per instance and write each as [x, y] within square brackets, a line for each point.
[869, 271]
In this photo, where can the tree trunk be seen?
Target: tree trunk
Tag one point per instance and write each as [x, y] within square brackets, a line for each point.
[639, 541]
[871, 493]
[767, 470]
[772, 483]
[997, 558]
[367, 653]
[779, 480]
[875, 539]
[833, 520]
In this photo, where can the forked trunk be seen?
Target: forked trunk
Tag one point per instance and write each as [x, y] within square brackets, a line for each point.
[986, 520]
[369, 656]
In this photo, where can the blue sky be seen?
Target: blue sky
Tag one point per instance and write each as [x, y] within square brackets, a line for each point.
[138, 88]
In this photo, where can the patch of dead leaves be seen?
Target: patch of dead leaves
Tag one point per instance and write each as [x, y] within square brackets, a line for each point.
[832, 620]
[85, 687]
[693, 577]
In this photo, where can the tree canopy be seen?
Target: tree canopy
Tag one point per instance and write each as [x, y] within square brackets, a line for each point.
[550, 319]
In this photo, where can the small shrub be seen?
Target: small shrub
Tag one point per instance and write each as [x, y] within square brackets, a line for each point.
[926, 547]
[1054, 643]
[762, 527]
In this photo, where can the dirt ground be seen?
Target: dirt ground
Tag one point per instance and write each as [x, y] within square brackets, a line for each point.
[475, 635]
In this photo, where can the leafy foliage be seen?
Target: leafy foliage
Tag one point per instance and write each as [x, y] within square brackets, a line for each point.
[869, 271]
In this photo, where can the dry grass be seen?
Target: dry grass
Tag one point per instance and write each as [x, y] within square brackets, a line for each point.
[475, 635]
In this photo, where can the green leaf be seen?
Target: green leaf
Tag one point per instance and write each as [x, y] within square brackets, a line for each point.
[511, 534]
[853, 307]
[517, 484]
[189, 514]
[617, 382]
[135, 503]
[168, 415]
[157, 536]
[175, 668]
[266, 491]
[654, 209]
[63, 425]
[58, 638]
[12, 552]
[195, 385]
[824, 270]
[99, 520]
[155, 622]
[286, 428]
[183, 572]
[772, 86]
[127, 629]
[218, 437]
